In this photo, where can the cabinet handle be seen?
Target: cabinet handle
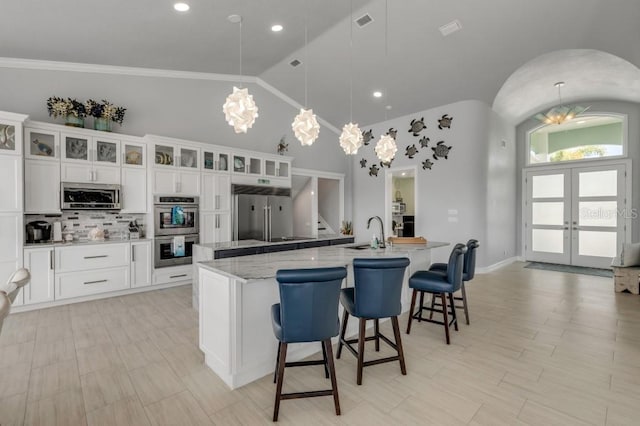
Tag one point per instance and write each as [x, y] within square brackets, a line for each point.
[95, 175]
[96, 282]
[217, 202]
[123, 159]
[133, 253]
[96, 257]
[178, 276]
[51, 259]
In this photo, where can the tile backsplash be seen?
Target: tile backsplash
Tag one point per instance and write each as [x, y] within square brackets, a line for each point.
[115, 224]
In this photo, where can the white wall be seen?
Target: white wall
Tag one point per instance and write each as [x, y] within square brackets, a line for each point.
[329, 202]
[461, 184]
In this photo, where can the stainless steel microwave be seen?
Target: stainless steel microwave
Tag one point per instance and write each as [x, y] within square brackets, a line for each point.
[89, 196]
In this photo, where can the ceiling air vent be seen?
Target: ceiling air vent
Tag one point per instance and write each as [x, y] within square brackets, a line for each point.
[364, 20]
[295, 63]
[450, 28]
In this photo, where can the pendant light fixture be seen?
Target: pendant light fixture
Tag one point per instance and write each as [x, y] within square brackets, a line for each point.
[560, 113]
[386, 147]
[305, 126]
[240, 110]
[351, 138]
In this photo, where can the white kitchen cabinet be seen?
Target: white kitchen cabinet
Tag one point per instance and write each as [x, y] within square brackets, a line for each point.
[10, 244]
[10, 183]
[134, 190]
[86, 283]
[214, 160]
[216, 193]
[134, 154]
[141, 263]
[176, 156]
[277, 168]
[173, 274]
[41, 186]
[247, 164]
[171, 182]
[88, 173]
[81, 148]
[215, 227]
[40, 263]
[42, 144]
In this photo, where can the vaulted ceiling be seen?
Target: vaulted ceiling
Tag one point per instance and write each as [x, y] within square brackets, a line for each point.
[422, 69]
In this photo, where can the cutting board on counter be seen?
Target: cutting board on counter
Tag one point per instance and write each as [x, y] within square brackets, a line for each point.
[407, 240]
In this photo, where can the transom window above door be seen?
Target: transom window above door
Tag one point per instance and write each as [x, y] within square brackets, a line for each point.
[589, 137]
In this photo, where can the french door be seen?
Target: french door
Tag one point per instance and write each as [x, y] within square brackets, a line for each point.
[575, 216]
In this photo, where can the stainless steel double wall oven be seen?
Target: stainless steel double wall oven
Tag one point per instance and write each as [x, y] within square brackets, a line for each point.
[175, 218]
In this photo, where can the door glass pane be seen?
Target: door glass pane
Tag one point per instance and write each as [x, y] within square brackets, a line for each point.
[547, 240]
[106, 152]
[164, 155]
[223, 162]
[548, 213]
[548, 186]
[7, 137]
[188, 158]
[133, 155]
[594, 243]
[76, 148]
[208, 160]
[42, 144]
[238, 164]
[598, 213]
[598, 184]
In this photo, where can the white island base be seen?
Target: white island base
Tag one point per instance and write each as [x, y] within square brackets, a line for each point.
[235, 324]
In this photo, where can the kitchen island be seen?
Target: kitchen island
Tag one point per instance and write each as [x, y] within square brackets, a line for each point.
[236, 295]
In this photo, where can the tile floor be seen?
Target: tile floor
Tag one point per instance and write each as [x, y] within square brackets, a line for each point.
[543, 348]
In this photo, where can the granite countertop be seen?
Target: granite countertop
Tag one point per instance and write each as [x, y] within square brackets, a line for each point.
[263, 266]
[259, 243]
[82, 243]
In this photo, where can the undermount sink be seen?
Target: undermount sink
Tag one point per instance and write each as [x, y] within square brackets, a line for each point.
[359, 247]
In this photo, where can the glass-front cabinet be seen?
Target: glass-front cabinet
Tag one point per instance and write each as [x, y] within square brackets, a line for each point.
[246, 164]
[276, 168]
[134, 154]
[78, 148]
[176, 156]
[215, 161]
[41, 144]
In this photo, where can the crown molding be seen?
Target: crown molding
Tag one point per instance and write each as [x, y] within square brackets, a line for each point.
[35, 64]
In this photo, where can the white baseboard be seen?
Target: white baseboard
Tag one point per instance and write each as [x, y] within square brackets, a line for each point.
[496, 266]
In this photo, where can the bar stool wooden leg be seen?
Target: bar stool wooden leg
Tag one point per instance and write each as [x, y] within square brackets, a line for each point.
[421, 305]
[464, 303]
[376, 328]
[446, 317]
[361, 337]
[332, 373]
[275, 372]
[413, 304]
[324, 358]
[282, 361]
[433, 305]
[396, 333]
[345, 318]
[453, 311]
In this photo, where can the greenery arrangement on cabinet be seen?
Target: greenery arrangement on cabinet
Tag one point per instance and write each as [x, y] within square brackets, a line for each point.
[72, 110]
[104, 113]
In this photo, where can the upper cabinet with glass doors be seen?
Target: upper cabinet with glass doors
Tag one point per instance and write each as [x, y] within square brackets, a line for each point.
[171, 155]
[79, 148]
[214, 160]
[584, 138]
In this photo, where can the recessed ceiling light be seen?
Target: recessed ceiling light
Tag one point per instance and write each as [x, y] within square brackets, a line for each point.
[276, 28]
[181, 7]
[404, 174]
[388, 107]
[377, 94]
[582, 121]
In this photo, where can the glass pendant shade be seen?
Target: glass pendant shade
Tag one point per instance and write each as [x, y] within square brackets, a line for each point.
[386, 148]
[351, 139]
[240, 110]
[305, 127]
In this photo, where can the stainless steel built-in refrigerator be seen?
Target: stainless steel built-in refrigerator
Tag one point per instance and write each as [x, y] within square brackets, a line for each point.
[262, 213]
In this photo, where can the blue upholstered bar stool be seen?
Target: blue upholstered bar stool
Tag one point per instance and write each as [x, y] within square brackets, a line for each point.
[376, 294]
[439, 284]
[307, 312]
[468, 272]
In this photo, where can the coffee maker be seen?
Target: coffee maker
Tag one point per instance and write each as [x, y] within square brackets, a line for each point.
[38, 231]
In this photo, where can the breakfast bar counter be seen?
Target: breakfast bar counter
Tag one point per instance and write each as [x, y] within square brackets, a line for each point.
[236, 295]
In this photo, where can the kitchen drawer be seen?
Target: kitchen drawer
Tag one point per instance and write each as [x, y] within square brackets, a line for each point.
[173, 274]
[76, 284]
[96, 256]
